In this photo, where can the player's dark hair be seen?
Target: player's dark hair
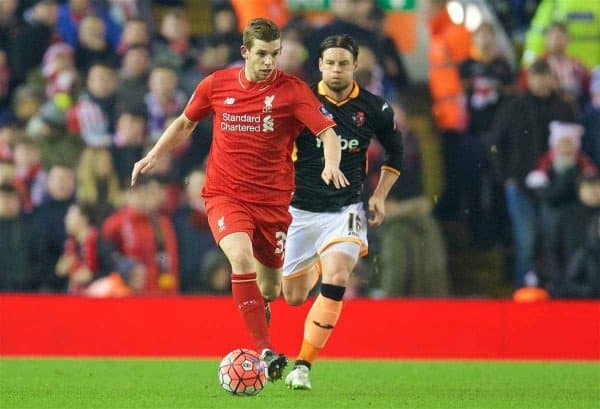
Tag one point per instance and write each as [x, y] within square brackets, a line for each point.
[339, 41]
[260, 29]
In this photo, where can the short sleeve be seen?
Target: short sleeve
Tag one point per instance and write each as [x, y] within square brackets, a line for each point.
[309, 110]
[199, 105]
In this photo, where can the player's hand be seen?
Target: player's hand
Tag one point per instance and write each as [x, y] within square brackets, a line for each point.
[334, 174]
[376, 210]
[142, 166]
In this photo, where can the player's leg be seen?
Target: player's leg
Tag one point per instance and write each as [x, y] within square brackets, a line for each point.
[300, 268]
[269, 240]
[233, 225]
[269, 280]
[298, 284]
[246, 294]
[337, 262]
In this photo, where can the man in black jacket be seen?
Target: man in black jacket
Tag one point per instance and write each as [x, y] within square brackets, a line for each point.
[519, 136]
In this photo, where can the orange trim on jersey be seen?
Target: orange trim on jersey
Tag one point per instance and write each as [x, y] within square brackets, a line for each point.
[316, 266]
[353, 94]
[295, 153]
[364, 250]
[390, 169]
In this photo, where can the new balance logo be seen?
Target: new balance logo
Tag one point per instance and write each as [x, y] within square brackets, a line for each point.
[229, 101]
[268, 124]
[324, 326]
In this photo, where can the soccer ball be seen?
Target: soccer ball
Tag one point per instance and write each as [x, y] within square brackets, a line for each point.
[242, 372]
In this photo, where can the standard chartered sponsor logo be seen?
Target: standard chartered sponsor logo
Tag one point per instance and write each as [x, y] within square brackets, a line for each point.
[268, 124]
[246, 123]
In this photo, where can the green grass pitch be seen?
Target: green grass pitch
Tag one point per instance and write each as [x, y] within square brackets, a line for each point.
[141, 383]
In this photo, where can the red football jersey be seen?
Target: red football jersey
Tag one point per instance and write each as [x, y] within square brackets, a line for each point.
[254, 128]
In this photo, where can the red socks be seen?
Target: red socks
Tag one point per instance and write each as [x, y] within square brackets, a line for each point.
[249, 301]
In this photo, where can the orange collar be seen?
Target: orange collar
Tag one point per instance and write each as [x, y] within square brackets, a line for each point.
[353, 94]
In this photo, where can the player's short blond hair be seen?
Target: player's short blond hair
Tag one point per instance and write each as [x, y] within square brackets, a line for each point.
[260, 29]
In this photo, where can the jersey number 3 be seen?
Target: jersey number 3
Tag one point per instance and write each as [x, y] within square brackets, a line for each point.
[280, 237]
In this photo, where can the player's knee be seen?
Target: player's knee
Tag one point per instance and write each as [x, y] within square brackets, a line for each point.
[338, 276]
[270, 291]
[240, 260]
[294, 297]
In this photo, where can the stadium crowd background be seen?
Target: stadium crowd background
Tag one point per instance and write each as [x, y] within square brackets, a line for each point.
[86, 87]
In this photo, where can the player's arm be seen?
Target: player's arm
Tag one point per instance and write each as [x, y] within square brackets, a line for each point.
[391, 139]
[332, 153]
[177, 132]
[309, 110]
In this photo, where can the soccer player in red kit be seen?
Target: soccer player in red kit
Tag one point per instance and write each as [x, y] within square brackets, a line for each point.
[258, 113]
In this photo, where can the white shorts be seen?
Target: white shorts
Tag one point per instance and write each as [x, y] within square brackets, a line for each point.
[311, 233]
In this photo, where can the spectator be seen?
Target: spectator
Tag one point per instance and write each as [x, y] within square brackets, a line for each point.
[571, 75]
[49, 224]
[128, 143]
[32, 38]
[94, 115]
[85, 255]
[591, 120]
[98, 183]
[293, 56]
[123, 11]
[174, 44]
[145, 240]
[59, 69]
[225, 31]
[133, 78]
[29, 180]
[72, 13]
[568, 238]
[583, 275]
[450, 44]
[17, 244]
[487, 78]
[413, 254]
[554, 179]
[27, 101]
[348, 18]
[582, 20]
[519, 136]
[135, 34]
[194, 239]
[163, 101]
[7, 172]
[92, 47]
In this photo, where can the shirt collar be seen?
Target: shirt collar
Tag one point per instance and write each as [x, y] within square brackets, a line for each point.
[353, 94]
[247, 84]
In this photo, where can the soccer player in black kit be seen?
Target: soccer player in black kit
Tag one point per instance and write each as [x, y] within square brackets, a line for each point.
[329, 227]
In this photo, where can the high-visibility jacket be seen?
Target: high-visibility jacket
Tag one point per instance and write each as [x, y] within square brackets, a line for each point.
[582, 18]
[449, 45]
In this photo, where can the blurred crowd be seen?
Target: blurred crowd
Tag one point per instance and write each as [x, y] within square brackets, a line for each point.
[88, 86]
